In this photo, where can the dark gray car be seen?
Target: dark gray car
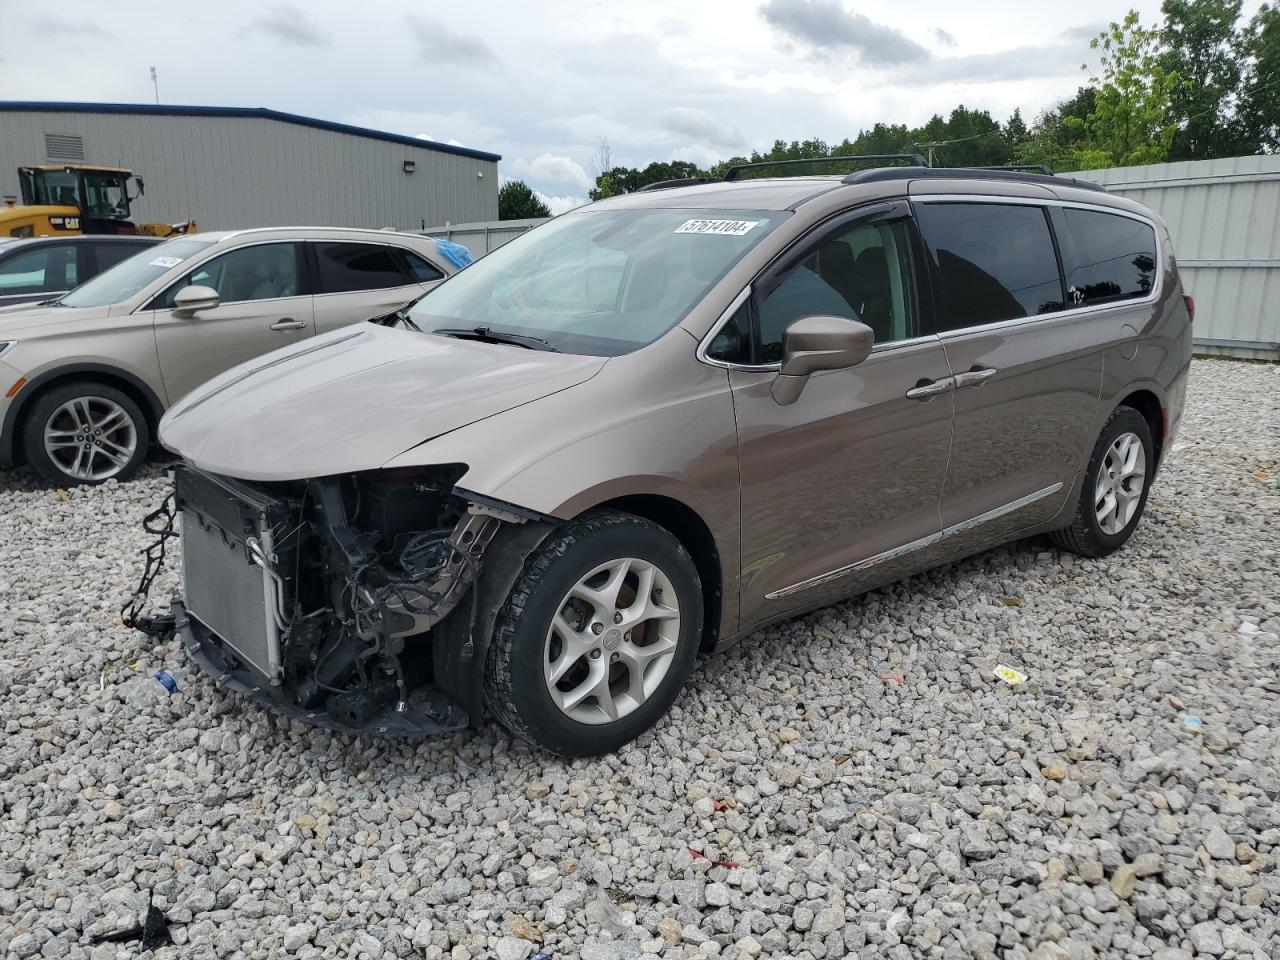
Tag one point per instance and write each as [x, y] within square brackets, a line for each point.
[44, 268]
[657, 423]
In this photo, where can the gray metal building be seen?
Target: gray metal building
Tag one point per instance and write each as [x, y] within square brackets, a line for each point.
[1224, 216]
[236, 167]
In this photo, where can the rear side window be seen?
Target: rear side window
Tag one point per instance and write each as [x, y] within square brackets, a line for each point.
[348, 267]
[48, 268]
[996, 262]
[1110, 257]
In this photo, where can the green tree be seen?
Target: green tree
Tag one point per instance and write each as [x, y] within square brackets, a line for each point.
[1058, 134]
[1130, 123]
[516, 201]
[1258, 114]
[1202, 48]
[619, 180]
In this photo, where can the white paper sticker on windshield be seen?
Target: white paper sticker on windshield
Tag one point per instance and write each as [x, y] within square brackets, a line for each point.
[165, 262]
[724, 228]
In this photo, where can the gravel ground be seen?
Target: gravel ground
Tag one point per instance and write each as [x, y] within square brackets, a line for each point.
[854, 782]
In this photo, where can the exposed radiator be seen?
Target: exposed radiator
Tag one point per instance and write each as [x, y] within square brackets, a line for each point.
[224, 523]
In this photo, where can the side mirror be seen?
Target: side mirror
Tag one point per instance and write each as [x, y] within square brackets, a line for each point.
[191, 300]
[818, 343]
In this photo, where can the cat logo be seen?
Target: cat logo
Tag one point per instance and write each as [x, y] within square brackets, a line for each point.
[64, 223]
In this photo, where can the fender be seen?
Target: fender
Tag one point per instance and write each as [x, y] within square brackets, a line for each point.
[152, 406]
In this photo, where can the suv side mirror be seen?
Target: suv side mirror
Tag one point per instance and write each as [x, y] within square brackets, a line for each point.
[816, 343]
[191, 300]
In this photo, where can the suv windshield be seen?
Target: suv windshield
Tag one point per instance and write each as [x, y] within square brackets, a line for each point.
[129, 276]
[601, 282]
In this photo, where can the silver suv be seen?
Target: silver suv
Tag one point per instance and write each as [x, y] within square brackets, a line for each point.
[84, 380]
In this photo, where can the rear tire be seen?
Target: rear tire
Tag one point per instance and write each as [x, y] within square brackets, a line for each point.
[85, 432]
[1113, 495]
[597, 637]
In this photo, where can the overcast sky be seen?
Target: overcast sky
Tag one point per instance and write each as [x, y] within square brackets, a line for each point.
[542, 83]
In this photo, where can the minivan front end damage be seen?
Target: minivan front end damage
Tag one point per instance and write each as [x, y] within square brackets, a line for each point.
[325, 599]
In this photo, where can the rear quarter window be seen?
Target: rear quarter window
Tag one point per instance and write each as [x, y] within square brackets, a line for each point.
[1110, 257]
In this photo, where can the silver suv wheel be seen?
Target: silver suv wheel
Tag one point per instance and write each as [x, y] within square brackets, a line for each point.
[90, 438]
[1119, 484]
[612, 641]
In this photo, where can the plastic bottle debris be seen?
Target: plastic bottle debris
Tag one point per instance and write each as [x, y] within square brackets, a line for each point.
[144, 690]
[165, 679]
[1009, 675]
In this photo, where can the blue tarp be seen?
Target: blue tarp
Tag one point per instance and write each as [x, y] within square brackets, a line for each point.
[455, 253]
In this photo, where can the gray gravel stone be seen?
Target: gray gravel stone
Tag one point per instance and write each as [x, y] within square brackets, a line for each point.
[869, 817]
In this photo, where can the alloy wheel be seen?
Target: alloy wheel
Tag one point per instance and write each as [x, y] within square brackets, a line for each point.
[612, 641]
[1119, 483]
[91, 438]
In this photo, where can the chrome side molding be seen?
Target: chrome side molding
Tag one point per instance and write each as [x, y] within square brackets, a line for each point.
[915, 545]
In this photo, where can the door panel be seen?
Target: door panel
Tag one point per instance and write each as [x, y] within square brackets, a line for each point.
[334, 310]
[197, 349]
[1023, 431]
[264, 307]
[849, 472]
[1027, 377]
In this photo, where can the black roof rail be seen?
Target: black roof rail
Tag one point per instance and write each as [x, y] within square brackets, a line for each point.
[912, 158]
[966, 173]
[682, 182]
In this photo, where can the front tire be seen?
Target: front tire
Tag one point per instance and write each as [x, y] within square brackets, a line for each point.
[597, 637]
[1114, 493]
[85, 432]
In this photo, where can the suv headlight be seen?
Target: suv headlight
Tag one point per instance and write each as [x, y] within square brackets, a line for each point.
[6, 346]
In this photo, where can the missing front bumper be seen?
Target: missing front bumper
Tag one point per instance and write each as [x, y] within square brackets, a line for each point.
[428, 713]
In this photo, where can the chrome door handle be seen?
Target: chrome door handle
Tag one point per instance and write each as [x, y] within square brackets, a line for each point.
[974, 378]
[288, 323]
[926, 390]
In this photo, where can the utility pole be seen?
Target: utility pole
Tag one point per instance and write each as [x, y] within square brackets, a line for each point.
[155, 86]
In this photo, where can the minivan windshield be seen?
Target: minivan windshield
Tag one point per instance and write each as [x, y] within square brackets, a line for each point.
[601, 282]
[127, 277]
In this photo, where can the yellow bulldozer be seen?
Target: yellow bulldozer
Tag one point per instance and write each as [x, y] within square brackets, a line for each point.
[68, 199]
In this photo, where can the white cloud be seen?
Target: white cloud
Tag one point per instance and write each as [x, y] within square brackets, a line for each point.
[427, 136]
[704, 157]
[550, 168]
[559, 205]
[699, 123]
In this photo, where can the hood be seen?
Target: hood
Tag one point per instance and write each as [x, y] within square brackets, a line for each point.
[355, 398]
[33, 320]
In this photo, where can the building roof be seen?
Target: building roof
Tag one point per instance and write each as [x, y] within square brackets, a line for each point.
[262, 113]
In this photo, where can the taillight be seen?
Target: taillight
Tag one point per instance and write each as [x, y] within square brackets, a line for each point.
[1190, 301]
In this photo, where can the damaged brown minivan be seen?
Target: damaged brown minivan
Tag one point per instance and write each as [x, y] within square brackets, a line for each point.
[654, 424]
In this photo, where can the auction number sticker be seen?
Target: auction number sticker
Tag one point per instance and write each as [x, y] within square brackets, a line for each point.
[723, 228]
[165, 262]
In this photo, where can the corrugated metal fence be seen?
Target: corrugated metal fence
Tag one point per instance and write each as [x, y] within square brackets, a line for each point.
[1224, 216]
[482, 238]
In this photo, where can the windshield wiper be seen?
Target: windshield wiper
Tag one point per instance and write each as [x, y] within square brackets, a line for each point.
[489, 335]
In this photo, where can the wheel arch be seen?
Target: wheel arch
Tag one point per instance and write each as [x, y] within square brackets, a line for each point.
[1153, 411]
[687, 526]
[129, 384]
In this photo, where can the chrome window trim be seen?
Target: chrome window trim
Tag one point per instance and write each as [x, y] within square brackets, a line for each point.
[1150, 298]
[915, 545]
[705, 343]
[217, 249]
